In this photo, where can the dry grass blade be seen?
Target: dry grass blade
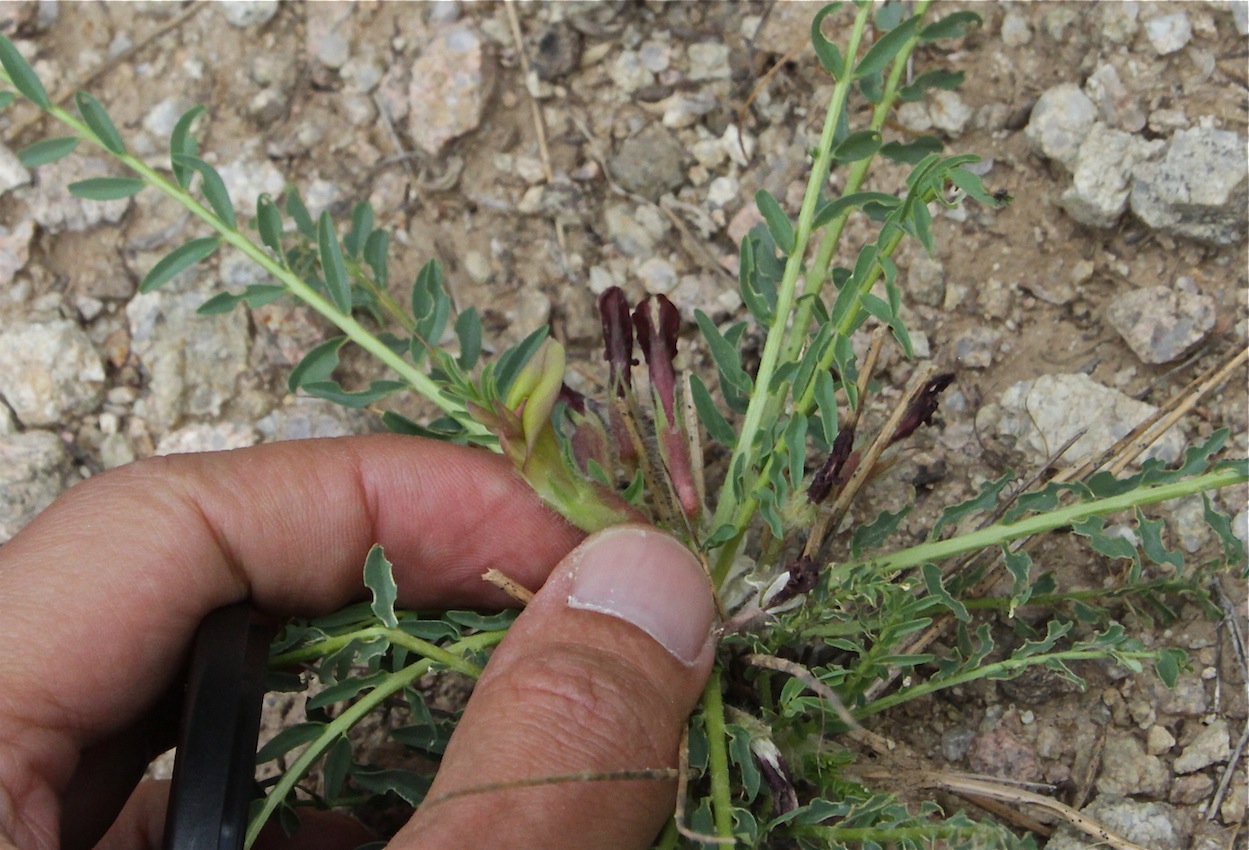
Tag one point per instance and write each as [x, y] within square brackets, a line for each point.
[646, 774]
[992, 788]
[510, 586]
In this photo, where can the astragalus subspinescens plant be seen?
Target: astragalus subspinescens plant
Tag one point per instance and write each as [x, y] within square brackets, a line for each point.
[822, 627]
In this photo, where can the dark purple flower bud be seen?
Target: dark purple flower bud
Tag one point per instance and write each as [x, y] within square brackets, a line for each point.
[922, 408]
[830, 474]
[658, 323]
[776, 775]
[613, 308]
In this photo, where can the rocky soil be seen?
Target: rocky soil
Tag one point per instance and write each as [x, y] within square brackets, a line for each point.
[1116, 276]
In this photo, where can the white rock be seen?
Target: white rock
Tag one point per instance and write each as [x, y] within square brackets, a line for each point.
[1102, 174]
[628, 72]
[12, 173]
[1199, 188]
[949, 113]
[914, 116]
[1062, 117]
[1119, 20]
[1016, 31]
[363, 72]
[246, 180]
[249, 13]
[1240, 17]
[1169, 33]
[34, 469]
[723, 191]
[49, 371]
[709, 60]
[1209, 747]
[320, 195]
[15, 250]
[164, 116]
[1161, 324]
[451, 85]
[1040, 415]
[1158, 741]
[658, 276]
[193, 362]
[655, 56]
[207, 437]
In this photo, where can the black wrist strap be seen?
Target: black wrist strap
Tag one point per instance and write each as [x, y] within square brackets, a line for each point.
[215, 765]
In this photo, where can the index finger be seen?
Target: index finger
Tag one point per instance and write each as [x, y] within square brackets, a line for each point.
[101, 593]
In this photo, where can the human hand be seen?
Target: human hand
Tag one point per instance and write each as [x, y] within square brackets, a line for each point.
[101, 593]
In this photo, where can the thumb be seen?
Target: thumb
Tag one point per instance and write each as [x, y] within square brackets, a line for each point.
[598, 674]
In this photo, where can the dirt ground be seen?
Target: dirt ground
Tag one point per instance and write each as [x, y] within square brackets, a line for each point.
[531, 230]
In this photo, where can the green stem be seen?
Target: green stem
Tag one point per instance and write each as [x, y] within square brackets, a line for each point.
[718, 756]
[1000, 669]
[340, 725]
[1000, 533]
[296, 286]
[817, 273]
[763, 399]
[398, 637]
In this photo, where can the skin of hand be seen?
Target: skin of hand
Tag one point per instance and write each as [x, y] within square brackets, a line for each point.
[101, 593]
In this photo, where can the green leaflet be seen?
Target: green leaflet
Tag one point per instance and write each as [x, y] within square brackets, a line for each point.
[23, 76]
[376, 248]
[827, 52]
[717, 426]
[887, 47]
[95, 116]
[255, 295]
[178, 260]
[106, 188]
[288, 739]
[380, 580]
[182, 143]
[469, 332]
[779, 225]
[49, 150]
[213, 187]
[955, 25]
[317, 365]
[269, 224]
[431, 307]
[875, 533]
[332, 266]
[361, 229]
